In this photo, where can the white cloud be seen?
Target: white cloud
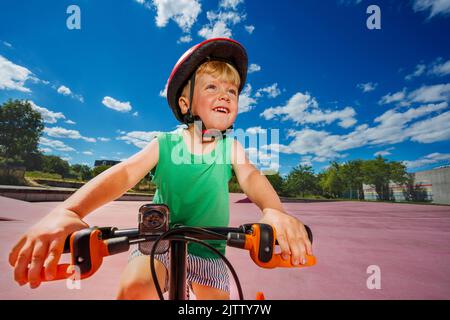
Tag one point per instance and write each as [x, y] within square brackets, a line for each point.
[306, 161]
[303, 109]
[391, 127]
[420, 69]
[135, 114]
[45, 150]
[246, 102]
[432, 158]
[437, 68]
[434, 93]
[116, 105]
[70, 122]
[13, 76]
[185, 39]
[367, 87]
[253, 68]
[88, 153]
[139, 138]
[255, 130]
[47, 115]
[163, 93]
[58, 132]
[9, 45]
[37, 80]
[319, 143]
[65, 91]
[385, 152]
[271, 91]
[102, 139]
[276, 147]
[218, 30]
[395, 97]
[394, 125]
[250, 29]
[230, 4]
[220, 22]
[226, 17]
[424, 94]
[183, 12]
[440, 68]
[262, 158]
[55, 144]
[436, 7]
[431, 130]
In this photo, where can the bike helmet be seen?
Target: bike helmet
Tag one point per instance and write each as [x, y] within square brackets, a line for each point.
[216, 49]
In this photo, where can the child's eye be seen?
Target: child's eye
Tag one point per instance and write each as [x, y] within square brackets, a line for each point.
[210, 86]
[232, 91]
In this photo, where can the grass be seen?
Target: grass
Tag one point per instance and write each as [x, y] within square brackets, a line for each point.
[31, 176]
[34, 175]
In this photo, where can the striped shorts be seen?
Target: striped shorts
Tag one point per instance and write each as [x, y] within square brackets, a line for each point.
[205, 271]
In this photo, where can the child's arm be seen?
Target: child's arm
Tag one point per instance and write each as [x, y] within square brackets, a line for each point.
[291, 233]
[112, 183]
[43, 243]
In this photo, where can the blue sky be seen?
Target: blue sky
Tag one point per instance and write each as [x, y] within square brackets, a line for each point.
[334, 89]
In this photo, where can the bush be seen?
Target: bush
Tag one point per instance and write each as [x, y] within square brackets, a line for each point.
[97, 170]
[12, 175]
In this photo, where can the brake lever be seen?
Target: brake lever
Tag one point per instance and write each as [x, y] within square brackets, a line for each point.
[88, 247]
[260, 241]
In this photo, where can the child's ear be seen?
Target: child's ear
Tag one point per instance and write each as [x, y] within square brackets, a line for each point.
[183, 103]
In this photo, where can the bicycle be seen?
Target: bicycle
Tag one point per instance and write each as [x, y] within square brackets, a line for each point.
[89, 246]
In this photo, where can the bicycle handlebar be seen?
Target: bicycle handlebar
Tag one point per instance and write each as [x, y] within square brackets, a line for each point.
[89, 246]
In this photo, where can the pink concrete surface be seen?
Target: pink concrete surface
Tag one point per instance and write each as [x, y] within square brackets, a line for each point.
[409, 243]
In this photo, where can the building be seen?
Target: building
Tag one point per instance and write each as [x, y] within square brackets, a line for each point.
[438, 180]
[105, 163]
[430, 185]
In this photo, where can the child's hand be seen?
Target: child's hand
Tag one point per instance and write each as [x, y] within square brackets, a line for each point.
[291, 235]
[42, 246]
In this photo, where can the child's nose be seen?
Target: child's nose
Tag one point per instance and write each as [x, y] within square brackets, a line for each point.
[224, 95]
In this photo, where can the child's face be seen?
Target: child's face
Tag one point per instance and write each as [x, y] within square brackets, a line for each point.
[211, 93]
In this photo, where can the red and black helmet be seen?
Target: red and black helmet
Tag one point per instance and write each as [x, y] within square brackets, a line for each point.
[220, 49]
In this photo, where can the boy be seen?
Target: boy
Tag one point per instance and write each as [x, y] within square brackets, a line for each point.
[204, 85]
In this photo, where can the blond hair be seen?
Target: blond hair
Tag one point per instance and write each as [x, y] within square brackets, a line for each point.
[218, 69]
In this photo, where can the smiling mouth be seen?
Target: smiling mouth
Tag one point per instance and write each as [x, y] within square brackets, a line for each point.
[221, 110]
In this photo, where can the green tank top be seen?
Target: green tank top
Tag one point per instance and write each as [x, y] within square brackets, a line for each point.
[194, 186]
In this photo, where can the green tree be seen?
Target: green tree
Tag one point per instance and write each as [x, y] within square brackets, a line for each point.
[83, 172]
[55, 164]
[331, 181]
[97, 170]
[352, 176]
[379, 173]
[276, 181]
[301, 180]
[413, 191]
[20, 129]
